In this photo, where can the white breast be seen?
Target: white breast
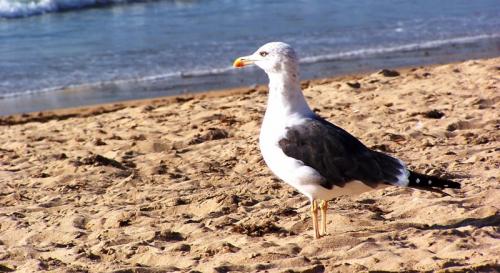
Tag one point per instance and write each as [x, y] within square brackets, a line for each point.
[304, 178]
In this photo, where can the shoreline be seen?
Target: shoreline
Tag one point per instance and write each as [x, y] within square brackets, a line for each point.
[106, 107]
[105, 92]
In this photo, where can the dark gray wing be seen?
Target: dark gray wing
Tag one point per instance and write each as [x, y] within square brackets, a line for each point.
[336, 155]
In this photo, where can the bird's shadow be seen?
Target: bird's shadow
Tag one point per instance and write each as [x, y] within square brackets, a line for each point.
[492, 220]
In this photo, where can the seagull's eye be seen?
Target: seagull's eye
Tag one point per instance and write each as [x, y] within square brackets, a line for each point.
[263, 53]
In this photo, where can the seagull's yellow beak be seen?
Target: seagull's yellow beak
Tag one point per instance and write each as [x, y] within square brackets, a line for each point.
[241, 62]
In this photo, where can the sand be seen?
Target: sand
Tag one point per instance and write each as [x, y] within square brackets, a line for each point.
[178, 184]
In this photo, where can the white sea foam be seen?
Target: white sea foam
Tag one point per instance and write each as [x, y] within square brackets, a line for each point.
[206, 72]
[120, 82]
[30, 92]
[24, 8]
[365, 52]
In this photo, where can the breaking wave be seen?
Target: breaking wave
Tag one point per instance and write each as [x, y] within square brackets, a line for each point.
[24, 8]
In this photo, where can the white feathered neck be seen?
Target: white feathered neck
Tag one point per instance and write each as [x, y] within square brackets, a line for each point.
[285, 97]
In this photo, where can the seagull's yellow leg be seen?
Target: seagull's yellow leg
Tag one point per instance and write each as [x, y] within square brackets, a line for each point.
[323, 205]
[314, 212]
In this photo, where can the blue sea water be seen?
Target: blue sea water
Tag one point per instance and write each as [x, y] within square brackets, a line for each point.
[61, 53]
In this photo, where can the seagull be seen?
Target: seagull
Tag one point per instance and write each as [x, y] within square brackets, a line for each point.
[316, 157]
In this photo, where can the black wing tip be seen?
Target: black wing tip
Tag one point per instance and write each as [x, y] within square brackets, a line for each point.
[427, 181]
[453, 185]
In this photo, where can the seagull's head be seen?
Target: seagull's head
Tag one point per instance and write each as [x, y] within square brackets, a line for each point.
[274, 57]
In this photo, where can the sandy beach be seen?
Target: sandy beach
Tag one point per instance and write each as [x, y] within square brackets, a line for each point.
[177, 184]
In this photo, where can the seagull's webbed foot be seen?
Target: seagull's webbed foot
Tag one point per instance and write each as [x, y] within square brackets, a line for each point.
[314, 213]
